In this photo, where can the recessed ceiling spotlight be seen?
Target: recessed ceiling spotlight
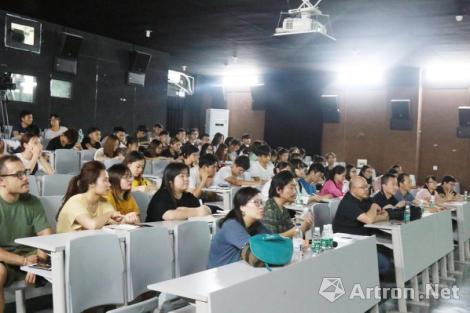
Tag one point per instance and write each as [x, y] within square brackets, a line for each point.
[148, 33]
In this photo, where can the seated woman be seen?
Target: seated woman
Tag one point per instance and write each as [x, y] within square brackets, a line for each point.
[428, 191]
[236, 228]
[222, 154]
[280, 166]
[351, 172]
[171, 201]
[55, 128]
[120, 178]
[333, 187]
[190, 155]
[31, 155]
[154, 150]
[92, 139]
[207, 148]
[109, 150]
[132, 144]
[368, 173]
[135, 161]
[276, 217]
[174, 149]
[85, 206]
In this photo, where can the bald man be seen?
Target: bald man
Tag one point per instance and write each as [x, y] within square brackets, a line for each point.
[355, 210]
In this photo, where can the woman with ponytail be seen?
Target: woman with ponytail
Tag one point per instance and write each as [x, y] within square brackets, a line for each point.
[85, 206]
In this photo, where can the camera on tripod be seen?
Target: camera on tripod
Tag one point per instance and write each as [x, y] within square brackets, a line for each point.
[6, 82]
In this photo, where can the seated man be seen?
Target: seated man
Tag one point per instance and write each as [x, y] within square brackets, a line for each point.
[357, 209]
[26, 120]
[446, 189]
[262, 169]
[67, 140]
[21, 215]
[233, 174]
[307, 184]
[202, 176]
[385, 197]
[404, 187]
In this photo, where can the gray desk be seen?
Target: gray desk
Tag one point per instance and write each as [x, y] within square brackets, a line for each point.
[462, 214]
[238, 287]
[412, 251]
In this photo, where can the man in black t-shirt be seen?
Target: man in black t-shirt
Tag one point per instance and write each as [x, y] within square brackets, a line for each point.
[65, 141]
[26, 120]
[385, 197]
[446, 189]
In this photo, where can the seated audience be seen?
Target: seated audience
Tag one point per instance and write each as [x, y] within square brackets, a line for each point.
[92, 140]
[233, 149]
[181, 135]
[207, 148]
[171, 201]
[282, 155]
[333, 187]
[154, 150]
[217, 140]
[174, 149]
[165, 138]
[427, 192]
[222, 154]
[446, 189]
[21, 215]
[141, 134]
[368, 172]
[205, 139]
[355, 210]
[280, 166]
[404, 187]
[276, 217]
[193, 138]
[135, 161]
[236, 228]
[120, 133]
[262, 169]
[246, 141]
[330, 158]
[351, 172]
[85, 206]
[132, 144]
[55, 128]
[385, 198]
[156, 131]
[67, 140]
[190, 155]
[26, 120]
[233, 174]
[32, 156]
[109, 150]
[120, 197]
[315, 175]
[202, 176]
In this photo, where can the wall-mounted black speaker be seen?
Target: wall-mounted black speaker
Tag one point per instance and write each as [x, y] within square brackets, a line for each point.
[464, 116]
[463, 132]
[400, 119]
[260, 98]
[330, 109]
[139, 62]
[66, 62]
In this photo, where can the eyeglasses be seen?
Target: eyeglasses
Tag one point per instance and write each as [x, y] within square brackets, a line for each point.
[128, 177]
[19, 175]
[257, 202]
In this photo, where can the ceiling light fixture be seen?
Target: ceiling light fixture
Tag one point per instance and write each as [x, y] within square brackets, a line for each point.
[307, 18]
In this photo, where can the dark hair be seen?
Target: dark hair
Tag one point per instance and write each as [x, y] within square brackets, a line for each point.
[302, 152]
[79, 184]
[204, 148]
[132, 157]
[297, 164]
[109, 146]
[207, 160]
[54, 115]
[142, 128]
[25, 113]
[205, 135]
[130, 140]
[235, 142]
[337, 170]
[116, 173]
[193, 130]
[448, 179]
[263, 150]
[118, 129]
[294, 156]
[216, 139]
[25, 138]
[151, 150]
[246, 136]
[279, 181]
[242, 161]
[330, 154]
[228, 140]
[318, 159]
[316, 167]
[158, 125]
[401, 178]
[181, 130]
[393, 172]
[171, 171]
[385, 178]
[7, 159]
[71, 135]
[220, 152]
[349, 167]
[426, 181]
[33, 129]
[395, 167]
[241, 198]
[188, 149]
[92, 130]
[364, 168]
[280, 152]
[282, 165]
[164, 132]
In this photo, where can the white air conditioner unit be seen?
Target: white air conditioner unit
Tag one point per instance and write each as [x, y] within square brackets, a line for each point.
[307, 18]
[180, 84]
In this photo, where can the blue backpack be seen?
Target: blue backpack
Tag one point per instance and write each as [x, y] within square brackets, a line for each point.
[268, 250]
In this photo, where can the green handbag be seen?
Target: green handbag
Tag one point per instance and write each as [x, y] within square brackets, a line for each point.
[268, 250]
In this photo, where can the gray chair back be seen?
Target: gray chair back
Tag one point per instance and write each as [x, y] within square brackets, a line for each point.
[150, 259]
[94, 272]
[192, 244]
[148, 168]
[322, 216]
[86, 156]
[143, 200]
[55, 185]
[67, 161]
[158, 166]
[110, 162]
[33, 186]
[51, 206]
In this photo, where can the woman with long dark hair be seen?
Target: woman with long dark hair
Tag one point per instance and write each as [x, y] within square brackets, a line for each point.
[30, 153]
[84, 205]
[217, 140]
[334, 185]
[135, 161]
[368, 172]
[171, 201]
[120, 178]
[110, 149]
[236, 228]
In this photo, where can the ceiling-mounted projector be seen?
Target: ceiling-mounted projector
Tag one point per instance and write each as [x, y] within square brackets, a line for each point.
[307, 18]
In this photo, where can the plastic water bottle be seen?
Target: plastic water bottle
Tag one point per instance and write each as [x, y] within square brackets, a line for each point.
[327, 237]
[465, 196]
[297, 242]
[432, 202]
[298, 199]
[316, 241]
[407, 215]
[80, 136]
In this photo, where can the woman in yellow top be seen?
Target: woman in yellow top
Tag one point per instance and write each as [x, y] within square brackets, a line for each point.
[84, 205]
[120, 196]
[135, 161]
